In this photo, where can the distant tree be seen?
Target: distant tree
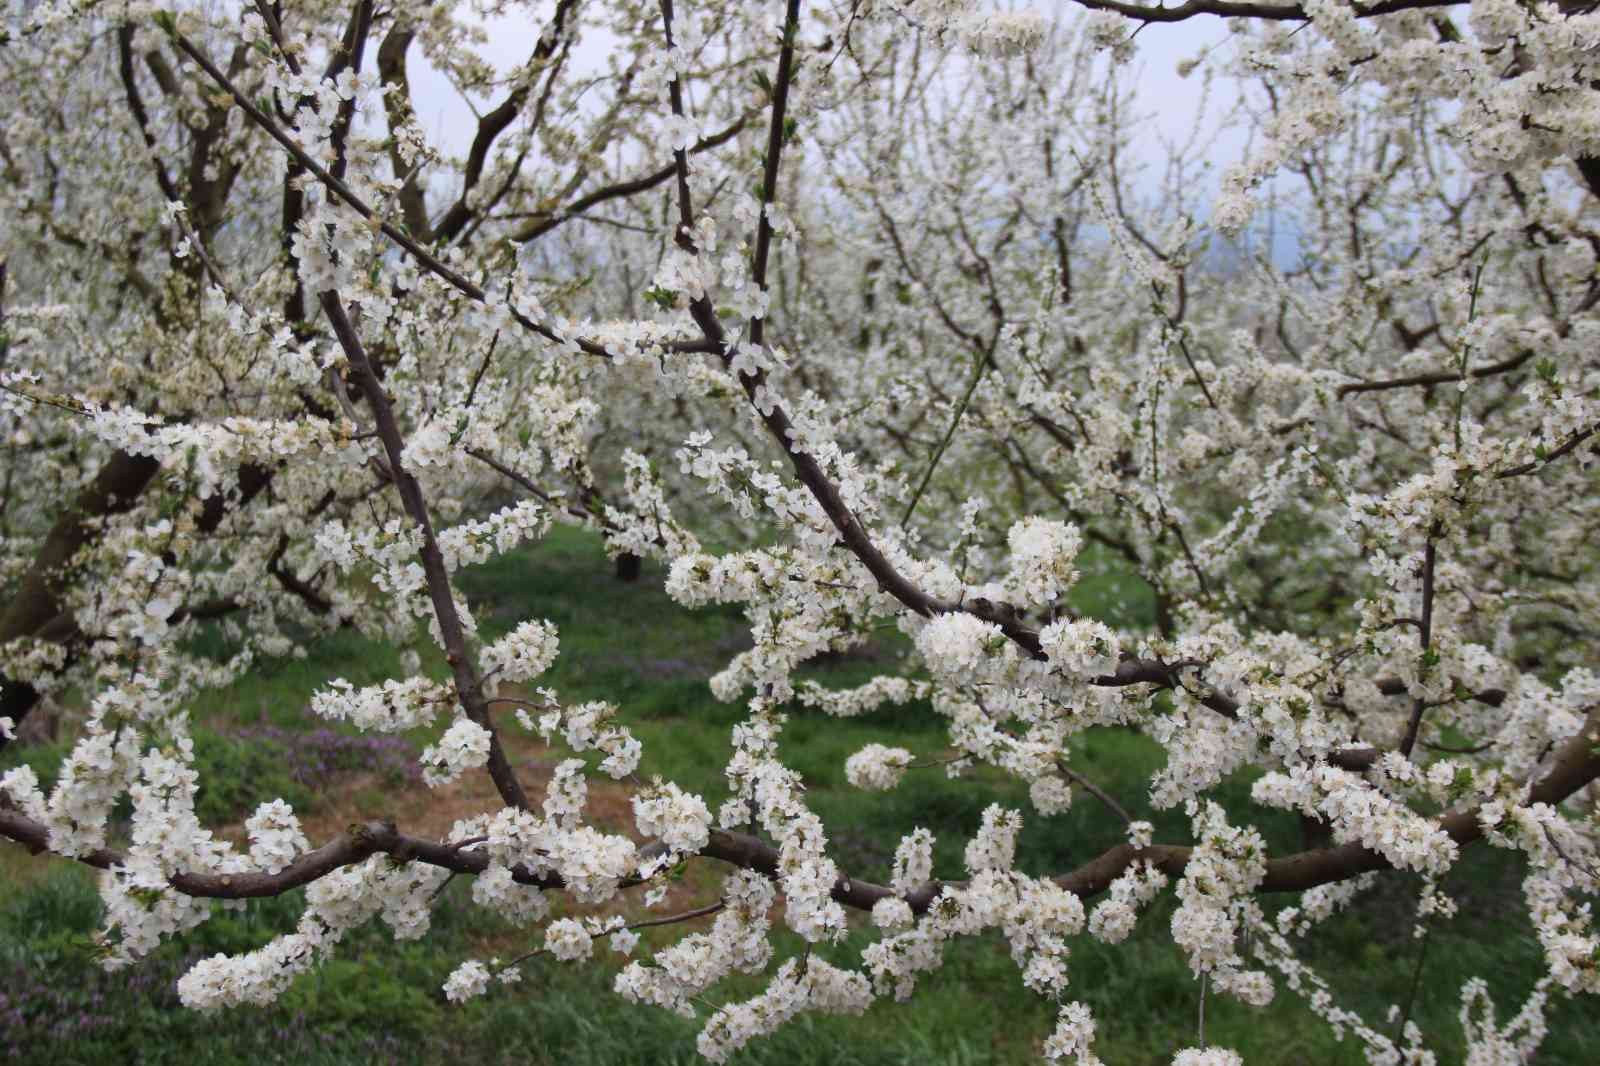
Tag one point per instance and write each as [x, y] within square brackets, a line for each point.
[873, 293]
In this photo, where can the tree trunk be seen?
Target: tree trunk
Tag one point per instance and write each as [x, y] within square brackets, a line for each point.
[629, 566]
[37, 601]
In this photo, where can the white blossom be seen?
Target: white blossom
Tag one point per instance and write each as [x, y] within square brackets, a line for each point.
[464, 746]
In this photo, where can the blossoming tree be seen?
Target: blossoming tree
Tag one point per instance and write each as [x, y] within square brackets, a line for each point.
[870, 288]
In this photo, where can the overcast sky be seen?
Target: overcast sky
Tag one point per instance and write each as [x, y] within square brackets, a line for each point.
[1171, 100]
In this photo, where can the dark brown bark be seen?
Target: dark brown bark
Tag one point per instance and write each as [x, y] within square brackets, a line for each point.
[629, 566]
[37, 600]
[469, 686]
[1576, 764]
[494, 122]
[398, 109]
[1589, 168]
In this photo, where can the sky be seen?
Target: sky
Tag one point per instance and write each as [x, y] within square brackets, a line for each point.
[1170, 100]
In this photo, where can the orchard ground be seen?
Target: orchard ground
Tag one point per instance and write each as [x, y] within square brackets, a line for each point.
[380, 999]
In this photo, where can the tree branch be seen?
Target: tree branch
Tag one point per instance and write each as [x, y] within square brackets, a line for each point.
[550, 220]
[469, 686]
[1443, 377]
[1429, 558]
[492, 124]
[1575, 765]
[1246, 9]
[334, 185]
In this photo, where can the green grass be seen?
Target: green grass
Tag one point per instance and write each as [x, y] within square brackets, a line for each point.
[628, 643]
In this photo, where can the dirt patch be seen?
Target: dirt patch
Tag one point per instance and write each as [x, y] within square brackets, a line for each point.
[350, 799]
[431, 813]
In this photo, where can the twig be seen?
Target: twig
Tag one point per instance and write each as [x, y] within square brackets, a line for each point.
[1416, 982]
[1429, 557]
[980, 364]
[343, 192]
[671, 919]
[1550, 457]
[1466, 349]
[1096, 791]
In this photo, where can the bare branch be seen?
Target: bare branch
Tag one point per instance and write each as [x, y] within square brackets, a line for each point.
[1247, 9]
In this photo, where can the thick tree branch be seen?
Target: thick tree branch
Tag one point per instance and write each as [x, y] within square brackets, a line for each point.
[469, 686]
[1247, 9]
[352, 50]
[115, 488]
[1443, 377]
[400, 113]
[141, 117]
[492, 124]
[1575, 765]
[777, 134]
[362, 842]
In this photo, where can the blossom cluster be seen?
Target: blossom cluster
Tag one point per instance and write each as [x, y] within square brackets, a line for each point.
[895, 357]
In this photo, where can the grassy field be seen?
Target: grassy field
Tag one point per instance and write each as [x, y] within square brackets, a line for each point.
[628, 643]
